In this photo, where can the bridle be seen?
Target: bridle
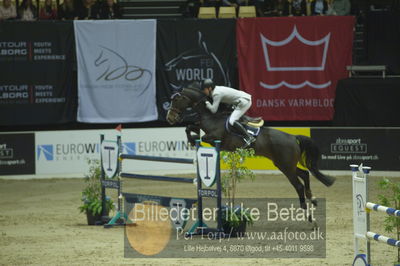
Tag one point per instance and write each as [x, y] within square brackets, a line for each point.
[177, 94]
[177, 114]
[180, 94]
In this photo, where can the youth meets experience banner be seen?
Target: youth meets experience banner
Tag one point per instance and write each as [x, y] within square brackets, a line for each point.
[36, 73]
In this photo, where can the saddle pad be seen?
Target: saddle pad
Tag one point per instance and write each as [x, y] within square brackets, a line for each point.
[254, 131]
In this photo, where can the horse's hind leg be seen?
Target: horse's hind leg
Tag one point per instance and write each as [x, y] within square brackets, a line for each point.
[298, 186]
[303, 174]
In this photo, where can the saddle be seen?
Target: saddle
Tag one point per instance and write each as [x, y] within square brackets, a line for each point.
[252, 125]
[255, 122]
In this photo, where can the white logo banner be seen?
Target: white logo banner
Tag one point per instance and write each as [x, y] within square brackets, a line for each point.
[116, 70]
[109, 155]
[207, 160]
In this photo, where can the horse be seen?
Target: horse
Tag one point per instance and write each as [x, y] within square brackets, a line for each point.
[285, 150]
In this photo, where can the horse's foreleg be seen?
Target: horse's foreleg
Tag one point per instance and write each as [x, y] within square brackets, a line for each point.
[192, 138]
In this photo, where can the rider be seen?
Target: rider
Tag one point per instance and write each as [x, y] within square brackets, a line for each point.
[240, 99]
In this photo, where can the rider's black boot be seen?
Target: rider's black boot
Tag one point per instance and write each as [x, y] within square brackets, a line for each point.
[248, 139]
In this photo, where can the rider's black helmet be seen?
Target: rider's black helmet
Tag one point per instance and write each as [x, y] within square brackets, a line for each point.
[207, 83]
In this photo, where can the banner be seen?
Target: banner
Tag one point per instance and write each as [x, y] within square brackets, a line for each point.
[66, 153]
[193, 50]
[17, 154]
[116, 70]
[291, 64]
[37, 85]
[374, 147]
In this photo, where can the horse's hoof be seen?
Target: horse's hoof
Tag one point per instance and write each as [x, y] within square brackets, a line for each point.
[314, 201]
[303, 205]
[314, 224]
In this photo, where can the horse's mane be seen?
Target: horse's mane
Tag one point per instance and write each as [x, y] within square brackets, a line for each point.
[194, 85]
[194, 94]
[197, 95]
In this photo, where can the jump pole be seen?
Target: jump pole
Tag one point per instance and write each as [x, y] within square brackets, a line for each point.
[199, 227]
[361, 216]
[113, 184]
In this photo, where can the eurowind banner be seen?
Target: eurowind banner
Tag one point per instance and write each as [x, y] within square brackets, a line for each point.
[116, 71]
[37, 85]
[291, 65]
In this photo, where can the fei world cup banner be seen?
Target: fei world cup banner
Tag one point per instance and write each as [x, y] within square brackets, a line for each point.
[291, 65]
[116, 70]
[193, 50]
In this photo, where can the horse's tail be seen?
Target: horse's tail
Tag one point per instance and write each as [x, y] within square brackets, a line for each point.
[310, 157]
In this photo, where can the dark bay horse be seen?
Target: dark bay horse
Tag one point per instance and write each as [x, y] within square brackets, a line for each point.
[285, 150]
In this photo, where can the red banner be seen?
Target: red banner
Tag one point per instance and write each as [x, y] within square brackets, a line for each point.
[291, 65]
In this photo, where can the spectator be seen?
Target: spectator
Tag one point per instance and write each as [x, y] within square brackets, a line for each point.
[191, 8]
[110, 10]
[88, 10]
[27, 11]
[279, 8]
[339, 8]
[319, 7]
[7, 10]
[297, 8]
[211, 3]
[260, 7]
[66, 11]
[48, 11]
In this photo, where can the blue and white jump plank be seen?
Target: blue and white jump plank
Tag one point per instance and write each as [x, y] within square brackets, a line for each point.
[383, 239]
[158, 178]
[384, 209]
[156, 158]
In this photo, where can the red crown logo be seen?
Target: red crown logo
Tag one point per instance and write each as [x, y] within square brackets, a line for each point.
[295, 53]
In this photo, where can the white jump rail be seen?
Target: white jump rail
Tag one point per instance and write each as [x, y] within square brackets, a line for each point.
[361, 212]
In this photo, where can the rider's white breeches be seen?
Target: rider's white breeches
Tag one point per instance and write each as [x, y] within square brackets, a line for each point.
[240, 109]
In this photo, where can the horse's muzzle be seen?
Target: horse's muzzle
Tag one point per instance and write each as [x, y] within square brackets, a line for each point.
[173, 117]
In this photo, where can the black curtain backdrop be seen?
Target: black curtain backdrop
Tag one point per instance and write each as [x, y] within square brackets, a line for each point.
[367, 102]
[37, 84]
[383, 39]
[192, 50]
